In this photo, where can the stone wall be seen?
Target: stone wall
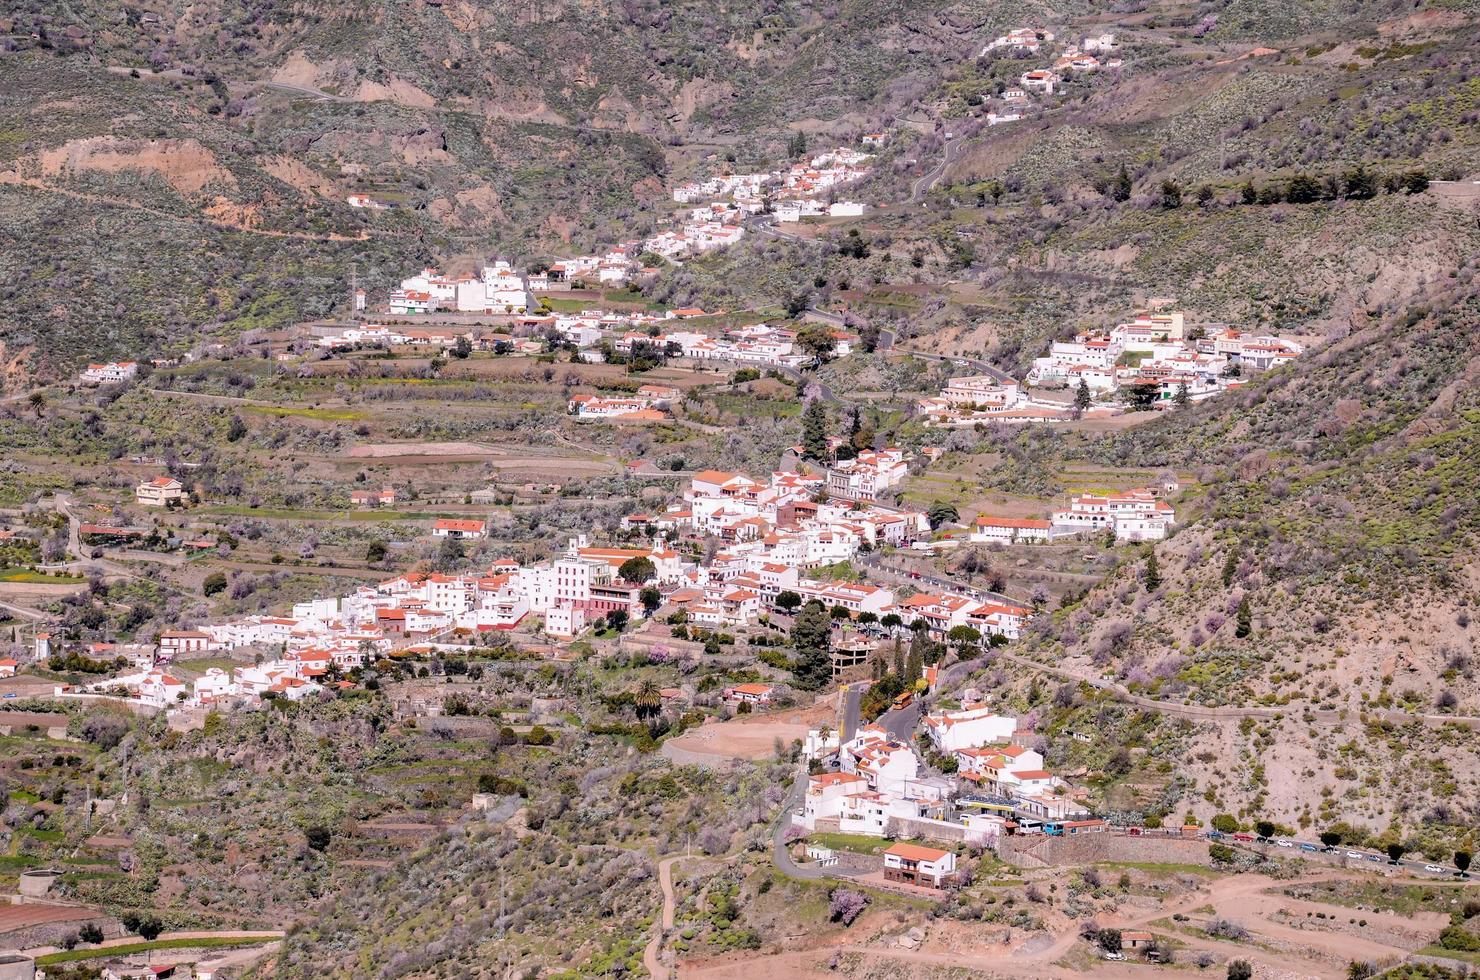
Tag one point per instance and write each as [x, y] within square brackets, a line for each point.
[1455, 190]
[1046, 852]
[938, 830]
[52, 933]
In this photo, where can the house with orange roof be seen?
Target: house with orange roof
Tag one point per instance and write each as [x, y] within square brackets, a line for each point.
[986, 765]
[754, 694]
[459, 528]
[176, 643]
[915, 864]
[410, 302]
[383, 497]
[999, 619]
[843, 802]
[162, 491]
[887, 764]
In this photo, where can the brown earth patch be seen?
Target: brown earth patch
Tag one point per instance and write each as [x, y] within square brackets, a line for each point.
[186, 165]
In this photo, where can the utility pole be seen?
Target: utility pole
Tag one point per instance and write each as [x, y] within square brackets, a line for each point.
[354, 288]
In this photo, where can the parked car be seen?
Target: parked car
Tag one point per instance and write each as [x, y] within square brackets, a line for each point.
[1374, 857]
[1355, 856]
[1311, 848]
[1243, 837]
[1284, 843]
[1111, 954]
[1435, 869]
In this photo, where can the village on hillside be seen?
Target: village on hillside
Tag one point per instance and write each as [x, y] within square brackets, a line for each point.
[1155, 361]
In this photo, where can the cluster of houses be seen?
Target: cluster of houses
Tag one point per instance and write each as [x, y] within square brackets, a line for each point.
[875, 784]
[802, 190]
[772, 534]
[499, 289]
[1134, 515]
[1158, 350]
[702, 229]
[595, 334]
[1086, 55]
[647, 404]
[760, 344]
[1153, 361]
[109, 373]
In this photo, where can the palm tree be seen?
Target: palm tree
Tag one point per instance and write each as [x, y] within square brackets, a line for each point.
[648, 700]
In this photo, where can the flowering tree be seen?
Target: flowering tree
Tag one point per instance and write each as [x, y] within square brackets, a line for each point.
[846, 905]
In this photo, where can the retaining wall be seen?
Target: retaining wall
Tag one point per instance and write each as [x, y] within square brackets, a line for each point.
[1048, 852]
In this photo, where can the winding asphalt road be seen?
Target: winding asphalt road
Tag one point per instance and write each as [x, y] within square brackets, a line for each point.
[876, 563]
[781, 856]
[925, 184]
[985, 367]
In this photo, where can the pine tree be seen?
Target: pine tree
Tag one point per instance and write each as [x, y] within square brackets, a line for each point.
[1153, 573]
[811, 634]
[1230, 568]
[898, 659]
[814, 430]
[915, 668]
[1082, 396]
[1244, 618]
[921, 652]
[1181, 398]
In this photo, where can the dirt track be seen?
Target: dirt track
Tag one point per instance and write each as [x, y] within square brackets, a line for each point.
[1277, 948]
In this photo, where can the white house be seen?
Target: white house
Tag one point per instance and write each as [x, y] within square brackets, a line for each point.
[753, 694]
[565, 621]
[868, 475]
[1040, 80]
[406, 302]
[917, 865]
[176, 643]
[452, 528]
[1135, 515]
[888, 766]
[1010, 530]
[970, 728]
[110, 373]
[162, 491]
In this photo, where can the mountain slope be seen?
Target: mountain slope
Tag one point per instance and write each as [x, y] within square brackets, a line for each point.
[1340, 507]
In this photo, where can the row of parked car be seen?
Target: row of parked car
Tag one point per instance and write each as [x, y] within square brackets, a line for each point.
[1318, 848]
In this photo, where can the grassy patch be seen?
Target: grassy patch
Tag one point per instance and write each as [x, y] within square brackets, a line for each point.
[1398, 898]
[30, 575]
[288, 514]
[853, 843]
[1434, 949]
[322, 414]
[209, 942]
